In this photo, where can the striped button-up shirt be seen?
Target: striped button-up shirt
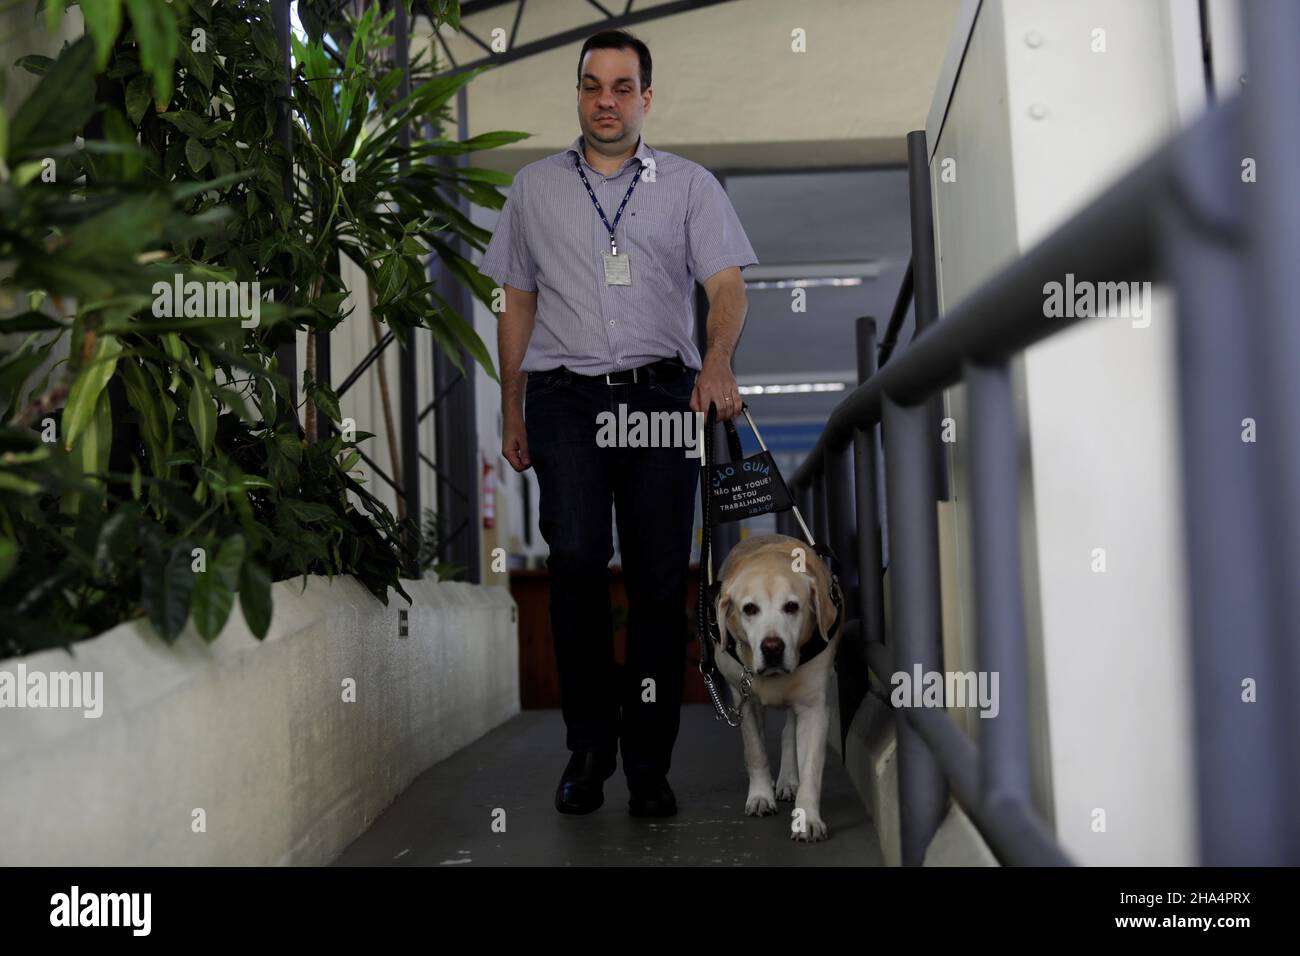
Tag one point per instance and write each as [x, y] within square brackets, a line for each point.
[678, 227]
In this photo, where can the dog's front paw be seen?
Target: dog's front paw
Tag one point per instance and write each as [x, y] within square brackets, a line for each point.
[760, 804]
[807, 827]
[786, 789]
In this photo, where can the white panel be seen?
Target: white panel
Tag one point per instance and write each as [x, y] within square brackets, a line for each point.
[976, 236]
[1054, 100]
[1228, 46]
[1103, 446]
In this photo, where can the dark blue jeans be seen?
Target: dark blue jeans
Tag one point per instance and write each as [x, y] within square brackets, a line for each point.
[652, 491]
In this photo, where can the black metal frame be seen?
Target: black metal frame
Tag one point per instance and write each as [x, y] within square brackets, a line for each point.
[1176, 216]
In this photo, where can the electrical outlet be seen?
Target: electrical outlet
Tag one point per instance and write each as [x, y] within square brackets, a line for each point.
[403, 628]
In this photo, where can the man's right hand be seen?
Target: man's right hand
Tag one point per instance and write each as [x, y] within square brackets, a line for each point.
[514, 441]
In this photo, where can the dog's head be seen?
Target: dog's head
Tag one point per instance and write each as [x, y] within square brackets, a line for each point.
[773, 609]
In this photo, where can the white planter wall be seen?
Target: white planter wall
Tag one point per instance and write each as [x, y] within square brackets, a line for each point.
[255, 734]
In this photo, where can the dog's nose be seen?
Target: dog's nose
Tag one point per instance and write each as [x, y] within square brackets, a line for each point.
[772, 647]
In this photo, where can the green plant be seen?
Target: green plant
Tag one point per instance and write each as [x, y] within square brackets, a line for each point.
[154, 470]
[432, 536]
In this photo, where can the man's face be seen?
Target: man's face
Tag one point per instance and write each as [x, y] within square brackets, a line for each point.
[611, 103]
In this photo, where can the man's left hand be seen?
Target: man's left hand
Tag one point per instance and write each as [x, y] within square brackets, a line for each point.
[716, 384]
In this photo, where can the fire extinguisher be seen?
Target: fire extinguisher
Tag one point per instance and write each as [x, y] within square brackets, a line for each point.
[489, 495]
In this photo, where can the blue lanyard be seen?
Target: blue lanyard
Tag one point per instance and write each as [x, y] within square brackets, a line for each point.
[613, 247]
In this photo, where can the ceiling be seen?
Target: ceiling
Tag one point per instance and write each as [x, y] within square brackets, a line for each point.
[794, 218]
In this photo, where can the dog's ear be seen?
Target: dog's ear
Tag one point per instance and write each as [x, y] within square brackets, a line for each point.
[823, 606]
[722, 610]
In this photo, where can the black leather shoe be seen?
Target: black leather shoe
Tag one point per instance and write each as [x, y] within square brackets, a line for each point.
[581, 787]
[650, 797]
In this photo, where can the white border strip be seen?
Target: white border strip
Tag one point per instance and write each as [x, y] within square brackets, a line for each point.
[948, 74]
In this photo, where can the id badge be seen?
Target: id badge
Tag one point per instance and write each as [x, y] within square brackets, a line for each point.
[618, 271]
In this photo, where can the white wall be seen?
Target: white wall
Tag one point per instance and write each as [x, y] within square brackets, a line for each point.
[1039, 123]
[255, 734]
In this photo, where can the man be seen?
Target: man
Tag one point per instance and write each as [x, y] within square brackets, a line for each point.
[598, 248]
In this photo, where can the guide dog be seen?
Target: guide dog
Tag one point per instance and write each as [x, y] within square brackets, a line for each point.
[775, 613]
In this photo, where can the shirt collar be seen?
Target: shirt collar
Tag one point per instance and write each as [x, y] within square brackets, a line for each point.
[643, 152]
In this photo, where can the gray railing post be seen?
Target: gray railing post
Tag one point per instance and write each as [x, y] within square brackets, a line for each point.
[914, 583]
[1232, 344]
[1237, 746]
[1272, 137]
[999, 605]
[821, 525]
[841, 521]
[925, 284]
[871, 602]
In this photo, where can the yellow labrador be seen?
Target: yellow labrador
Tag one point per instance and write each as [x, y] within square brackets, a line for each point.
[774, 608]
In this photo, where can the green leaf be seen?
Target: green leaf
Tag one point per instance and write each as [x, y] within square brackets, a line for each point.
[61, 103]
[22, 486]
[191, 124]
[203, 415]
[156, 33]
[434, 93]
[167, 587]
[325, 399]
[30, 322]
[235, 402]
[264, 40]
[255, 597]
[92, 450]
[128, 165]
[214, 589]
[156, 410]
[8, 557]
[123, 228]
[85, 390]
[494, 177]
[34, 63]
[198, 64]
[196, 154]
[307, 511]
[103, 19]
[116, 536]
[186, 190]
[138, 98]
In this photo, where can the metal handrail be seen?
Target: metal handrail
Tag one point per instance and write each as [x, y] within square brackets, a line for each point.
[1135, 230]
[897, 316]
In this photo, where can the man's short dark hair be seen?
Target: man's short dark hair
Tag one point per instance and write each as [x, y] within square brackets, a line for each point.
[618, 40]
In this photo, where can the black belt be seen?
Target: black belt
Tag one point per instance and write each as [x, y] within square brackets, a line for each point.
[664, 370]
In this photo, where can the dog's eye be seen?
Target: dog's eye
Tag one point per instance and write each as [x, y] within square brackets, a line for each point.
[750, 608]
[791, 607]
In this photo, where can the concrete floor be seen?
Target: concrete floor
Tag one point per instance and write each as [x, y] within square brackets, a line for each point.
[445, 818]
